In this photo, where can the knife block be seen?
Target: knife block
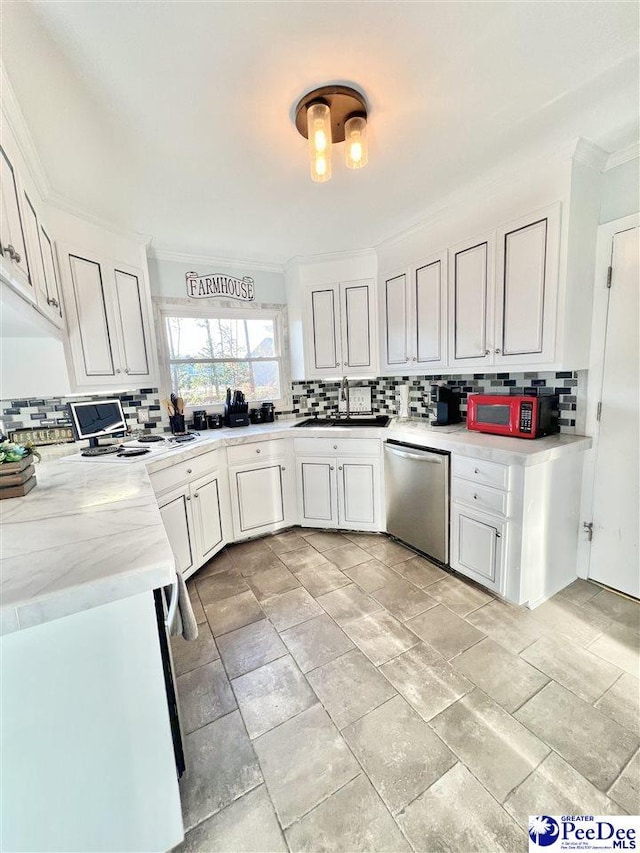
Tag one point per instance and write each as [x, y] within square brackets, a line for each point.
[237, 416]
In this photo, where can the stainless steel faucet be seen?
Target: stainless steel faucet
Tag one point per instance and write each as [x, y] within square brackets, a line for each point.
[344, 393]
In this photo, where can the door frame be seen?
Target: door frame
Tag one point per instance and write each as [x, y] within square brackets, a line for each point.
[604, 246]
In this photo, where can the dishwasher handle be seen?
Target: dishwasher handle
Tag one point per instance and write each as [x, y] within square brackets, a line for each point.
[433, 458]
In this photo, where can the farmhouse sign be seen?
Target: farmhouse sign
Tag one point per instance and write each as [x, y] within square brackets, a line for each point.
[217, 284]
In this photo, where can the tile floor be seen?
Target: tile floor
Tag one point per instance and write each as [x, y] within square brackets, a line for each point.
[345, 694]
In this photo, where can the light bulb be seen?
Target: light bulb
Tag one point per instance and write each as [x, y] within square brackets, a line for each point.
[319, 134]
[355, 130]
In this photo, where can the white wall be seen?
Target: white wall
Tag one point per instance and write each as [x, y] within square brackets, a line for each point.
[32, 367]
[168, 278]
[620, 191]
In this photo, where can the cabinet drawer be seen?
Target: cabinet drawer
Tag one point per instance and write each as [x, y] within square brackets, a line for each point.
[257, 450]
[338, 446]
[182, 472]
[479, 471]
[481, 497]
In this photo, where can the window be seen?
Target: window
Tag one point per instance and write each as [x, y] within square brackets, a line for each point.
[208, 354]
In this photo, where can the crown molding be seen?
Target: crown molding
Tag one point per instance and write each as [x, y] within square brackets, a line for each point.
[347, 254]
[191, 259]
[590, 154]
[625, 155]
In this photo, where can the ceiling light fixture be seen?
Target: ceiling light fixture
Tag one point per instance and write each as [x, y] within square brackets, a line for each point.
[328, 115]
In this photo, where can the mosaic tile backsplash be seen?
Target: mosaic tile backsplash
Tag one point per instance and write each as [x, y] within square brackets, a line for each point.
[319, 397]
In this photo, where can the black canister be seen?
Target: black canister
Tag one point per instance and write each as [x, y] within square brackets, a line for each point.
[214, 421]
[200, 419]
[256, 416]
[268, 413]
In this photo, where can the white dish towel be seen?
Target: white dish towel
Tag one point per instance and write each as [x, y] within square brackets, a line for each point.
[185, 622]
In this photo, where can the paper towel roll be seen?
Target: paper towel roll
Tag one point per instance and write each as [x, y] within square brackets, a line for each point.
[403, 401]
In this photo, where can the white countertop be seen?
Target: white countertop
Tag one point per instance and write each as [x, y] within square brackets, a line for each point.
[91, 532]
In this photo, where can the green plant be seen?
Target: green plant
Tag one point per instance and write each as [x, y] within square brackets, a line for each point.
[10, 452]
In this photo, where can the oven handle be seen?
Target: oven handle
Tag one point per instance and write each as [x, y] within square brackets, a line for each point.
[419, 457]
[173, 605]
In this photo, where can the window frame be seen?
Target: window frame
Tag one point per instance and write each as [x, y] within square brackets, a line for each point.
[277, 313]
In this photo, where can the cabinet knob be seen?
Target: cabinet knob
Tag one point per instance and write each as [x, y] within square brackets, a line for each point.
[414, 358]
[282, 468]
[118, 370]
[475, 497]
[486, 352]
[12, 253]
[189, 470]
[339, 467]
[335, 446]
[196, 495]
[337, 364]
[345, 364]
[407, 358]
[257, 450]
[126, 370]
[498, 351]
[188, 497]
[475, 471]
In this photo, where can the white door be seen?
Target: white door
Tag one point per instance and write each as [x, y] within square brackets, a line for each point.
[477, 546]
[357, 326]
[395, 318]
[91, 336]
[175, 510]
[429, 314]
[207, 516]
[358, 493]
[12, 239]
[527, 288]
[135, 358]
[471, 300]
[317, 491]
[614, 548]
[259, 498]
[323, 328]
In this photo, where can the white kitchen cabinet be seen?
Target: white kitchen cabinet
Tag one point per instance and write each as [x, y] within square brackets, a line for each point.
[414, 317]
[477, 546]
[109, 321]
[13, 245]
[471, 299]
[317, 490]
[340, 329]
[207, 507]
[262, 497]
[358, 487]
[175, 509]
[44, 275]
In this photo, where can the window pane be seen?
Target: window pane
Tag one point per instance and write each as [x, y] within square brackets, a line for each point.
[202, 384]
[200, 337]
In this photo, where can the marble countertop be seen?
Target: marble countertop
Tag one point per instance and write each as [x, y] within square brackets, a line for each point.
[92, 533]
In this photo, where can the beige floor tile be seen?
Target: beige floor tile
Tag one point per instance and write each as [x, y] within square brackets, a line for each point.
[580, 591]
[578, 669]
[390, 553]
[272, 694]
[380, 636]
[353, 819]
[281, 543]
[621, 703]
[563, 616]
[596, 746]
[419, 571]
[222, 766]
[303, 558]
[553, 788]
[268, 582]
[347, 603]
[499, 751]
[253, 559]
[322, 579]
[458, 596]
[249, 825]
[349, 687]
[426, 680]
[626, 789]
[502, 675]
[365, 539]
[221, 585]
[324, 540]
[249, 647]
[232, 613]
[316, 642]
[304, 761]
[346, 556]
[446, 632]
[371, 575]
[620, 646]
[291, 608]
[222, 562]
[190, 654]
[511, 626]
[204, 695]
[402, 599]
[617, 607]
[479, 825]
[398, 751]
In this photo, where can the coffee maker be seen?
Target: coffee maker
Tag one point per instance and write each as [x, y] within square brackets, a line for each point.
[447, 404]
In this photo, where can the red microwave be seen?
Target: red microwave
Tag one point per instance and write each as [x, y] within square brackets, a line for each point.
[519, 417]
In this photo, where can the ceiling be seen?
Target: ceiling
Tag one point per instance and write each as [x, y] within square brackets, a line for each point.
[176, 118]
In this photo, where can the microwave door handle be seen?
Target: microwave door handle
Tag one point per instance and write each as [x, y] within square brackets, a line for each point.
[173, 605]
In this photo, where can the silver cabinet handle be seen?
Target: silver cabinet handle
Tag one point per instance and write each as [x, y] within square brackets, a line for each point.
[12, 253]
[189, 470]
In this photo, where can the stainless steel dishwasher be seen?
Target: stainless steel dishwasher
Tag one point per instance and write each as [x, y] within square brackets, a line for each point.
[417, 497]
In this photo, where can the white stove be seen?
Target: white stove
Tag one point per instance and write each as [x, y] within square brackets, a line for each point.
[155, 449]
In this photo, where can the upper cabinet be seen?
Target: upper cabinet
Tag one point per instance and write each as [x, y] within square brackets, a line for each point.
[413, 307]
[471, 294]
[15, 264]
[109, 321]
[340, 329]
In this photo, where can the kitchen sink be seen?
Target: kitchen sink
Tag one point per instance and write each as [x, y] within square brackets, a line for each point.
[376, 421]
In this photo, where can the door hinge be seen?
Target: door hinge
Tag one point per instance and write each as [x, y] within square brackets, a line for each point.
[588, 526]
[599, 411]
[609, 276]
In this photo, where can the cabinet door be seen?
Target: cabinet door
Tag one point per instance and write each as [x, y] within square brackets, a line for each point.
[176, 517]
[395, 320]
[471, 292]
[358, 493]
[91, 333]
[317, 491]
[324, 329]
[36, 261]
[12, 237]
[207, 516]
[477, 546]
[527, 287]
[357, 326]
[429, 314]
[258, 498]
[135, 359]
[51, 276]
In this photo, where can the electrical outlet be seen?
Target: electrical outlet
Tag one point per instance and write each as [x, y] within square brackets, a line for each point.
[142, 415]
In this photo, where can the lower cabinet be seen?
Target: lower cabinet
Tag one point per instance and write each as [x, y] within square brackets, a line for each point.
[478, 546]
[262, 497]
[339, 492]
